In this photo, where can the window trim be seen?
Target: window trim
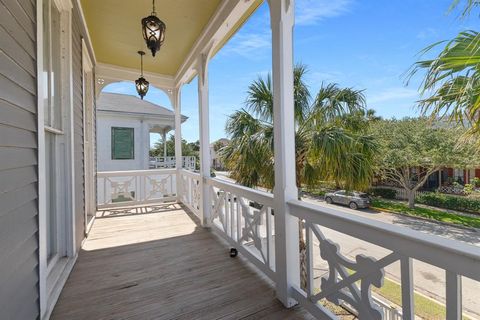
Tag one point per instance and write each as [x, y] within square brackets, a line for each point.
[51, 278]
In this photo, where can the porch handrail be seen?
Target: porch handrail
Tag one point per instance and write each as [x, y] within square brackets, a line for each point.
[125, 173]
[252, 194]
[456, 258]
[190, 173]
[447, 254]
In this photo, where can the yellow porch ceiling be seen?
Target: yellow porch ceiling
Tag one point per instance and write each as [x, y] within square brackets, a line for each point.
[116, 34]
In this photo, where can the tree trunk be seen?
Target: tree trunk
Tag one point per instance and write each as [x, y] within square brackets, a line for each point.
[411, 198]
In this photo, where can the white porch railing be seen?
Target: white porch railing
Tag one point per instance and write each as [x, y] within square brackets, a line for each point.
[244, 217]
[190, 190]
[350, 281]
[135, 187]
[169, 162]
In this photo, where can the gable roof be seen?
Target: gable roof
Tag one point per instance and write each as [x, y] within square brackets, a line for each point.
[128, 104]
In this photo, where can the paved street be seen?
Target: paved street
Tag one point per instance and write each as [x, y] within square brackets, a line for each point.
[428, 279]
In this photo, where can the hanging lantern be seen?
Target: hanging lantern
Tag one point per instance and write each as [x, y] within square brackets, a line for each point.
[153, 30]
[141, 83]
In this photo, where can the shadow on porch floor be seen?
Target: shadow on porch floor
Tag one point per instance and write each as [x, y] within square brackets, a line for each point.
[160, 264]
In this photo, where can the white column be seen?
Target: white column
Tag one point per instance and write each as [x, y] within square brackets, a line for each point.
[205, 205]
[164, 138]
[177, 105]
[145, 144]
[286, 226]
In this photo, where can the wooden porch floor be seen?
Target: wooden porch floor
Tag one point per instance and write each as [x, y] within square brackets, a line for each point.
[162, 265]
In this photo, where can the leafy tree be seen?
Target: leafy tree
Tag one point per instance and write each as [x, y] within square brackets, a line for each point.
[188, 148]
[328, 146]
[412, 149]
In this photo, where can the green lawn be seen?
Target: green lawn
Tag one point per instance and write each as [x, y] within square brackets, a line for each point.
[424, 307]
[434, 214]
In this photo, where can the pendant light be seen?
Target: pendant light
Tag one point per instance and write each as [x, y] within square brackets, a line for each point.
[153, 30]
[141, 83]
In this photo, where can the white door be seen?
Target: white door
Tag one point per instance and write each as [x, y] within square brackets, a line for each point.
[88, 138]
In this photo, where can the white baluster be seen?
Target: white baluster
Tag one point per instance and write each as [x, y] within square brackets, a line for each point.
[407, 288]
[453, 296]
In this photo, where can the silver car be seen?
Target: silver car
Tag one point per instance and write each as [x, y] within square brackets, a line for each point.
[352, 199]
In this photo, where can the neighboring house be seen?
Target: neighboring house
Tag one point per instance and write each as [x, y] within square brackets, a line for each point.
[124, 124]
[215, 160]
[443, 177]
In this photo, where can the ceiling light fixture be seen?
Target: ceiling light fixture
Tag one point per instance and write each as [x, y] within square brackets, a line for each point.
[141, 83]
[153, 30]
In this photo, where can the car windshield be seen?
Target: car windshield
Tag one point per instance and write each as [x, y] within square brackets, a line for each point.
[362, 195]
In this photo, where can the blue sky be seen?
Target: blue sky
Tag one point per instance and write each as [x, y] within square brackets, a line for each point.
[367, 45]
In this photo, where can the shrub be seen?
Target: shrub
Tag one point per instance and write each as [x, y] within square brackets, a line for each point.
[468, 188]
[476, 182]
[385, 193]
[446, 201]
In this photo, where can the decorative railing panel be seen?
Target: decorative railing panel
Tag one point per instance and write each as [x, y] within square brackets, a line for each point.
[244, 217]
[349, 281]
[190, 190]
[135, 187]
[188, 162]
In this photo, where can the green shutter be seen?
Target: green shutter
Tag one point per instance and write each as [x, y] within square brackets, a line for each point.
[123, 143]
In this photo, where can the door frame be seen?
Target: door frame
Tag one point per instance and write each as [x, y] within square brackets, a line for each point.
[89, 146]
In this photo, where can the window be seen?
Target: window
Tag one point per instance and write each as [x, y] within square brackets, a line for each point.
[123, 143]
[55, 140]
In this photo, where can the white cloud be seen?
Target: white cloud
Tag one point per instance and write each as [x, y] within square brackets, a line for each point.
[248, 44]
[309, 12]
[427, 33]
[393, 94]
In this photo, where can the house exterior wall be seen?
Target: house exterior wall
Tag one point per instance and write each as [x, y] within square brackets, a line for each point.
[104, 143]
[19, 293]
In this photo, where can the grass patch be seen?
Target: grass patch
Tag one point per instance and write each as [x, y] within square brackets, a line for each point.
[424, 307]
[433, 214]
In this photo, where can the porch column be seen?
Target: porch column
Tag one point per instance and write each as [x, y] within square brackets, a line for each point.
[286, 226]
[205, 206]
[177, 106]
[164, 138]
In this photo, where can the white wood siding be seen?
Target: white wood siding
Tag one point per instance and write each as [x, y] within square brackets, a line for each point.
[18, 161]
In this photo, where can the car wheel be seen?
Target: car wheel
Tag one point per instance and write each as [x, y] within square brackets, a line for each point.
[353, 205]
[328, 200]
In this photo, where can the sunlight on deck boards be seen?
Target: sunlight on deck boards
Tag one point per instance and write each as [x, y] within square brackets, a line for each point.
[162, 265]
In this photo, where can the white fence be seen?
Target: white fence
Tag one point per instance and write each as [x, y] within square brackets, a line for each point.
[190, 190]
[244, 217]
[135, 187]
[350, 280]
[169, 162]
[401, 194]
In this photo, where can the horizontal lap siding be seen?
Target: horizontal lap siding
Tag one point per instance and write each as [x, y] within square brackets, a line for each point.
[78, 129]
[18, 161]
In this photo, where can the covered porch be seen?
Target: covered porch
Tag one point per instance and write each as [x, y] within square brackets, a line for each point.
[159, 247]
[159, 263]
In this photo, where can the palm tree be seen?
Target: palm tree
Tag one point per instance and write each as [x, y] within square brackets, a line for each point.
[330, 142]
[451, 85]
